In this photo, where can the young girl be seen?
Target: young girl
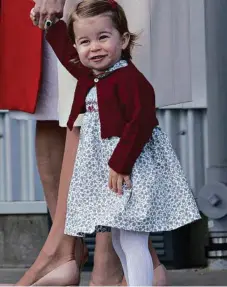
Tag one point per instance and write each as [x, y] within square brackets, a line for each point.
[126, 174]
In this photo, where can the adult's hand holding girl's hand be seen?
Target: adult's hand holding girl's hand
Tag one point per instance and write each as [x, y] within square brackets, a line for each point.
[47, 10]
[116, 181]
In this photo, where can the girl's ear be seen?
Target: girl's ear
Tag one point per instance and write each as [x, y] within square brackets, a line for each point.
[125, 40]
[74, 45]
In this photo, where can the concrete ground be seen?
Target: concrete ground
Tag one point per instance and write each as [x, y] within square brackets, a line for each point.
[201, 277]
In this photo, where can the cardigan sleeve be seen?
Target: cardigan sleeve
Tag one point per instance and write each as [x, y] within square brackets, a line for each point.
[137, 131]
[58, 38]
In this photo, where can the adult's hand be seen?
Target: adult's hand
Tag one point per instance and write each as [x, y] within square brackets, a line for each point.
[47, 10]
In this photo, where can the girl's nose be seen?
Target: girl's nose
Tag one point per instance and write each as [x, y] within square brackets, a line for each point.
[95, 46]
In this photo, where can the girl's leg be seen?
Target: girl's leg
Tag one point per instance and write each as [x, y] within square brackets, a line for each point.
[138, 258]
[117, 246]
[58, 247]
[160, 275]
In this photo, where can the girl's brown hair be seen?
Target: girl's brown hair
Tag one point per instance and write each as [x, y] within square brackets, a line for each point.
[91, 8]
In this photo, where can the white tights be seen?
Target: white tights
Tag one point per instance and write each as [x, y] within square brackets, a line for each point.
[132, 249]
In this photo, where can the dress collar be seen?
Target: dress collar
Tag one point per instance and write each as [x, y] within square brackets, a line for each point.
[118, 65]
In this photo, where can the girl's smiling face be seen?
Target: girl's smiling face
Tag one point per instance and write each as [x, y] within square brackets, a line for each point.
[98, 43]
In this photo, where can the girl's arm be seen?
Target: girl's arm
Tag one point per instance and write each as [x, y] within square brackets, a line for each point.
[138, 130]
[58, 38]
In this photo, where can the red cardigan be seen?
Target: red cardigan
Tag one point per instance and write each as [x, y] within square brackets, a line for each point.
[20, 56]
[125, 98]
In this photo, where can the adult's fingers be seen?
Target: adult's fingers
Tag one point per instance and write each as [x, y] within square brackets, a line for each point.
[36, 12]
[32, 12]
[33, 17]
[42, 19]
[50, 10]
[34, 21]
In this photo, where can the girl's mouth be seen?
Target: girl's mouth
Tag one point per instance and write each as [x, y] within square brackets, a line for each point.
[98, 58]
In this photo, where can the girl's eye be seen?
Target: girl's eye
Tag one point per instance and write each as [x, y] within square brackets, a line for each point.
[103, 37]
[84, 42]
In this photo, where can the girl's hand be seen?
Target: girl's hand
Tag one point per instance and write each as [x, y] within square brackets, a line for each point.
[116, 181]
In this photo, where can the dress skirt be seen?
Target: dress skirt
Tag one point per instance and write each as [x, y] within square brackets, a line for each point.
[160, 198]
[47, 100]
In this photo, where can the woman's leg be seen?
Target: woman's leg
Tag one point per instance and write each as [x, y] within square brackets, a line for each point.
[58, 243]
[154, 255]
[160, 274]
[58, 247]
[138, 258]
[50, 145]
[107, 266]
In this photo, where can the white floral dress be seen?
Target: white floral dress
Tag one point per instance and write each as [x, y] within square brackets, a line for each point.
[160, 198]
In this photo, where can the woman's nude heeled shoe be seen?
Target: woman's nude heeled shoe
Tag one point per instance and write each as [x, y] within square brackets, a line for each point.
[64, 275]
[160, 276]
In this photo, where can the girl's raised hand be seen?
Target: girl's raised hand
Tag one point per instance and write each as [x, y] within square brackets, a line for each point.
[116, 181]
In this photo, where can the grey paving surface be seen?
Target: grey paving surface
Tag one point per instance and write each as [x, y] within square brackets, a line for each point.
[201, 277]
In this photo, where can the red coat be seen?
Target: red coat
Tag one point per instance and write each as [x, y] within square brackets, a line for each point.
[126, 102]
[20, 56]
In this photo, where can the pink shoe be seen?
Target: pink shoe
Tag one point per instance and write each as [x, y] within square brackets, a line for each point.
[64, 275]
[160, 276]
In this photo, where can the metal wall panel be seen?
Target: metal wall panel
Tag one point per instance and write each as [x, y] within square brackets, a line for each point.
[19, 179]
[187, 130]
